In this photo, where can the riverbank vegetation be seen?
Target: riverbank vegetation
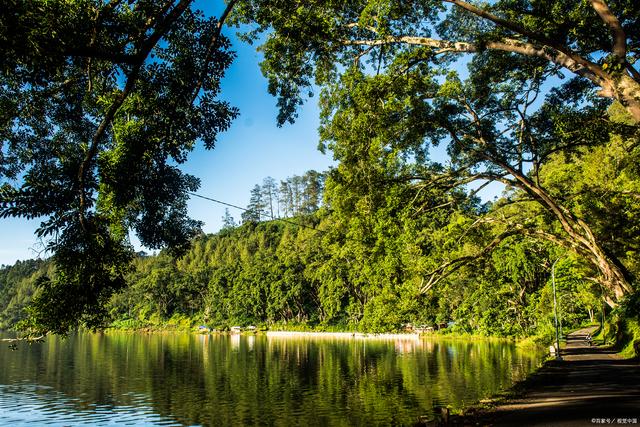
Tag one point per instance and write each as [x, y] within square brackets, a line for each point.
[424, 106]
[304, 258]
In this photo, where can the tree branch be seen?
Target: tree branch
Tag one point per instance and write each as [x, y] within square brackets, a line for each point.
[213, 44]
[140, 56]
[571, 62]
[619, 48]
[531, 35]
[633, 72]
[449, 267]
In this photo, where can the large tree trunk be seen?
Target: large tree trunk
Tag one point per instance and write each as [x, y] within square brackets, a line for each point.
[627, 91]
[614, 276]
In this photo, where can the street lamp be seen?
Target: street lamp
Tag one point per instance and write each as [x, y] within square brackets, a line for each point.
[555, 307]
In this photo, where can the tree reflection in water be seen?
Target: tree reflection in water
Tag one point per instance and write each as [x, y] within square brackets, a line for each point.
[235, 380]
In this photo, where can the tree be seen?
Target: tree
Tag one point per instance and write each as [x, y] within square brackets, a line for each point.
[270, 197]
[227, 220]
[296, 183]
[285, 199]
[389, 92]
[595, 40]
[101, 102]
[312, 193]
[256, 206]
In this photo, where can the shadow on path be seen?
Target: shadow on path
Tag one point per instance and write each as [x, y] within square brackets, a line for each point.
[591, 386]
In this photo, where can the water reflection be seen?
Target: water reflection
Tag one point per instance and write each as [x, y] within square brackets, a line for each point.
[237, 380]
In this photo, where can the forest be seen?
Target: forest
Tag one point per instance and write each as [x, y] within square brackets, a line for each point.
[101, 107]
[304, 256]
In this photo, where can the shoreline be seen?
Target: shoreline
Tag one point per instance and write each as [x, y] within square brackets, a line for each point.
[342, 335]
[561, 392]
[284, 334]
[278, 333]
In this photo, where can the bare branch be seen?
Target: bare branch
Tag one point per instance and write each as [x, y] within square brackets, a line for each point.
[480, 188]
[364, 52]
[633, 72]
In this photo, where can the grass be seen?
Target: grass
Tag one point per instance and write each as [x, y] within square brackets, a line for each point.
[605, 334]
[535, 341]
[628, 335]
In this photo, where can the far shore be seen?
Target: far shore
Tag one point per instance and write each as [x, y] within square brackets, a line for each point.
[343, 335]
[282, 334]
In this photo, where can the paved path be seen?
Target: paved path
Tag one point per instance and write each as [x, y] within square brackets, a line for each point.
[591, 386]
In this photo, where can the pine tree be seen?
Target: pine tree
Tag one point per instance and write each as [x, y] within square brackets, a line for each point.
[313, 182]
[255, 208]
[270, 197]
[227, 220]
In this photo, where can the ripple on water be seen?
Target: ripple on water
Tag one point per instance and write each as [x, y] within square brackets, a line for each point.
[26, 404]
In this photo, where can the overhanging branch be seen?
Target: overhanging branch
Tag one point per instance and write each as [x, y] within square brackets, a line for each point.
[142, 54]
[449, 267]
[536, 36]
[619, 48]
[572, 62]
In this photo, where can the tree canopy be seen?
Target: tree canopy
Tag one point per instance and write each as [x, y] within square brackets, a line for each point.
[100, 104]
[594, 40]
[393, 84]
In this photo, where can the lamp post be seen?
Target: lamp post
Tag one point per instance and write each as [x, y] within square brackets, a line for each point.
[555, 307]
[560, 299]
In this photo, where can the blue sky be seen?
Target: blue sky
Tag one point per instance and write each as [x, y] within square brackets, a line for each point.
[254, 147]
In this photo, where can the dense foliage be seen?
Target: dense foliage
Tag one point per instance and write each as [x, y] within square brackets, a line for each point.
[18, 283]
[393, 85]
[102, 90]
[357, 262]
[100, 102]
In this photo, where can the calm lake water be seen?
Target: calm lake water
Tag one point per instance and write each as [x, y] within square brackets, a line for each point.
[181, 379]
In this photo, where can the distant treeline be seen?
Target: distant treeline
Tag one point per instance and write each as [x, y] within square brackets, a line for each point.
[363, 265]
[297, 195]
[18, 283]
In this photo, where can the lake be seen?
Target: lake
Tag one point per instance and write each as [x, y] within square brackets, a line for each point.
[119, 378]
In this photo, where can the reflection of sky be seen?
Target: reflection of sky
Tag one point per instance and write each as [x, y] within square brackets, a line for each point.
[31, 405]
